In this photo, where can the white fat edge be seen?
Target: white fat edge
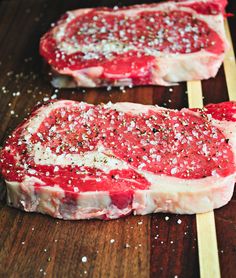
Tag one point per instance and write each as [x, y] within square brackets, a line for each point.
[95, 159]
[93, 200]
[12, 183]
[79, 12]
[27, 181]
[203, 65]
[114, 212]
[136, 108]
[93, 71]
[43, 112]
[81, 79]
[23, 193]
[216, 23]
[13, 193]
[86, 77]
[98, 200]
[164, 183]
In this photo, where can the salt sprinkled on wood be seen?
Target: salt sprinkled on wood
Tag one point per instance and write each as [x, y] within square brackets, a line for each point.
[84, 259]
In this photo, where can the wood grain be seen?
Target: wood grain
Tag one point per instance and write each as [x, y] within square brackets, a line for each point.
[207, 245]
[195, 97]
[206, 232]
[33, 245]
[229, 66]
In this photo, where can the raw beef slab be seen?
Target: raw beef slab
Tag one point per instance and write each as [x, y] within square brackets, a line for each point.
[158, 44]
[73, 160]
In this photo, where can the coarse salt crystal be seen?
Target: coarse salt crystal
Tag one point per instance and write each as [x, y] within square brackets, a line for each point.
[54, 96]
[84, 259]
[179, 221]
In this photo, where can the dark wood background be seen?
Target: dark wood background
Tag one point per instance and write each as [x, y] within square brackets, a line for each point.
[34, 245]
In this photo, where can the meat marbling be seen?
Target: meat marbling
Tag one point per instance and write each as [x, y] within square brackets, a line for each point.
[158, 44]
[73, 160]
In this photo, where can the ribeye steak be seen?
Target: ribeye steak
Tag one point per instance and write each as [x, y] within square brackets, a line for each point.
[73, 160]
[138, 45]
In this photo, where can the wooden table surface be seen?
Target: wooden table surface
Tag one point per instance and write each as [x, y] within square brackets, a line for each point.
[34, 245]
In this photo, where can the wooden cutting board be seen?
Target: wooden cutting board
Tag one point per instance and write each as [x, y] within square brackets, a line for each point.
[34, 245]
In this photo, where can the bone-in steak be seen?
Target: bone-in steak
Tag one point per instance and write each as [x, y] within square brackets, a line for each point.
[138, 45]
[73, 160]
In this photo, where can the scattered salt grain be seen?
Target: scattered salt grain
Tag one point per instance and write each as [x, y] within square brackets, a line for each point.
[179, 221]
[112, 240]
[54, 96]
[84, 259]
[167, 218]
[56, 168]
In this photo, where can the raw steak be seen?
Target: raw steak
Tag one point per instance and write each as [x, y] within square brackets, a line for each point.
[74, 160]
[138, 45]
